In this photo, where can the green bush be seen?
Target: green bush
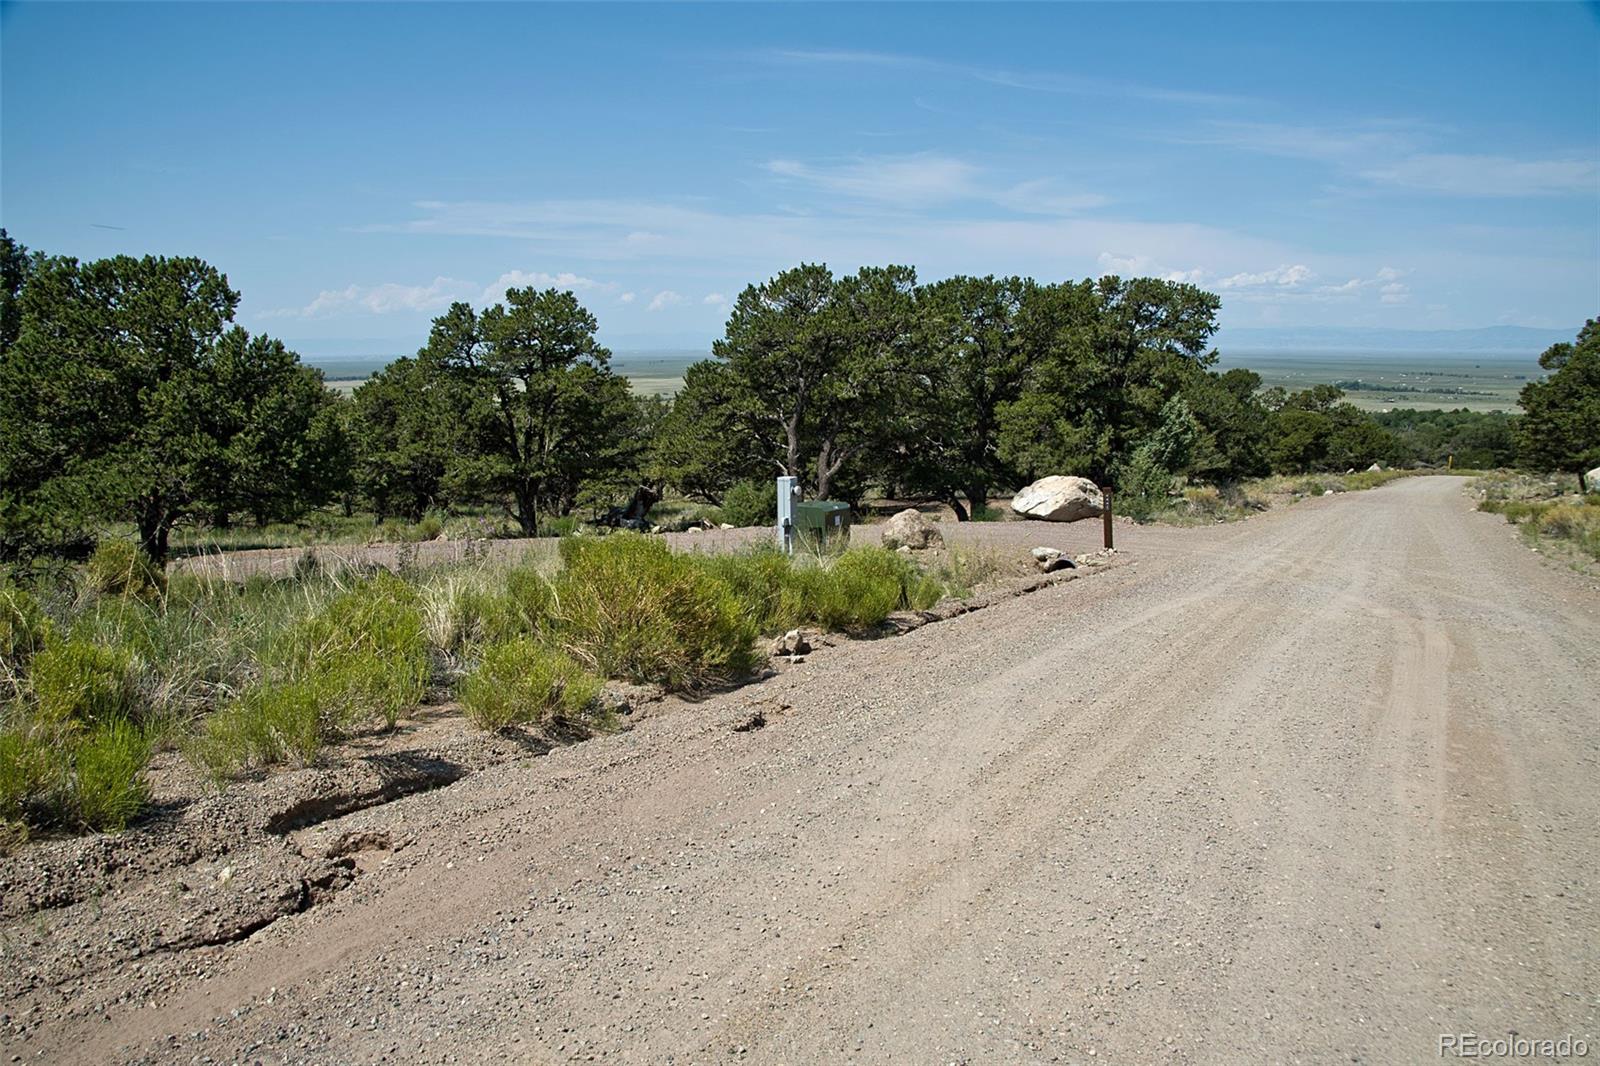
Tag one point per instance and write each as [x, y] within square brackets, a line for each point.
[32, 785]
[108, 775]
[121, 568]
[364, 652]
[626, 606]
[522, 682]
[561, 525]
[751, 503]
[766, 584]
[75, 681]
[863, 586]
[271, 723]
[429, 528]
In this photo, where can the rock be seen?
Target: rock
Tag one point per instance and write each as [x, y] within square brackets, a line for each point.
[1327, 492]
[1591, 480]
[694, 529]
[1375, 468]
[911, 529]
[442, 536]
[793, 644]
[1050, 560]
[726, 525]
[1059, 499]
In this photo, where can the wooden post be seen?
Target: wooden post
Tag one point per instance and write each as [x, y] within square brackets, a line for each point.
[1105, 514]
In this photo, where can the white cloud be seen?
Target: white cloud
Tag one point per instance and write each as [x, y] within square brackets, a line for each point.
[628, 297]
[927, 179]
[714, 299]
[388, 298]
[664, 299]
[1123, 264]
[518, 279]
[1284, 276]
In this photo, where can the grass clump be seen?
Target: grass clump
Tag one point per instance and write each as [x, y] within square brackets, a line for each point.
[863, 586]
[108, 783]
[276, 722]
[120, 568]
[466, 612]
[360, 655]
[625, 606]
[78, 682]
[525, 683]
[31, 783]
[364, 652]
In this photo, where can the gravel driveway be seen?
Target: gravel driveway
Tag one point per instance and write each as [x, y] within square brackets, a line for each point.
[1317, 787]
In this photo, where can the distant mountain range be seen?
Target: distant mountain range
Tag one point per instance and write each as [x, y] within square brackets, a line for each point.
[1502, 340]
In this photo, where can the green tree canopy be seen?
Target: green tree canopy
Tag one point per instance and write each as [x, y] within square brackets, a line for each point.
[817, 362]
[1110, 353]
[128, 399]
[1561, 427]
[542, 411]
[971, 358]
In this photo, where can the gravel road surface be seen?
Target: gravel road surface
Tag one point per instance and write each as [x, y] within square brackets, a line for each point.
[1317, 787]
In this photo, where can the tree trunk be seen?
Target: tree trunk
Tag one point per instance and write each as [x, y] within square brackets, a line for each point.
[526, 513]
[978, 497]
[955, 505]
[154, 528]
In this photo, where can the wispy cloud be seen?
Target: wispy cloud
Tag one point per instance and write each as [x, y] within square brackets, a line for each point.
[1394, 154]
[929, 179]
[388, 298]
[1029, 80]
[1490, 175]
[714, 299]
[910, 180]
[664, 299]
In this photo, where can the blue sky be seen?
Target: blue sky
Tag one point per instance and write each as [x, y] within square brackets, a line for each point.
[353, 168]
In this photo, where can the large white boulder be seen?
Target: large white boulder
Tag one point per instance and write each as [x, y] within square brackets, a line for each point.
[1591, 480]
[1059, 499]
[911, 529]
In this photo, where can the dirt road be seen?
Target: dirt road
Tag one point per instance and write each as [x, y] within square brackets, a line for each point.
[1318, 787]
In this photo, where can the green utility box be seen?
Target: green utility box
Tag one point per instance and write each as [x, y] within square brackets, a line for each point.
[822, 520]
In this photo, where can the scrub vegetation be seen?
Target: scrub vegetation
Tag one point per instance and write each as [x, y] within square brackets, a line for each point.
[97, 675]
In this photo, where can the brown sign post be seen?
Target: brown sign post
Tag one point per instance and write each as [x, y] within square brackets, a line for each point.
[1105, 514]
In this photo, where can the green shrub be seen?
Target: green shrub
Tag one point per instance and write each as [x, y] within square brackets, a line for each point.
[271, 723]
[364, 652]
[767, 586]
[32, 784]
[522, 682]
[626, 606]
[561, 525]
[429, 528]
[108, 764]
[75, 681]
[121, 568]
[863, 586]
[751, 503]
